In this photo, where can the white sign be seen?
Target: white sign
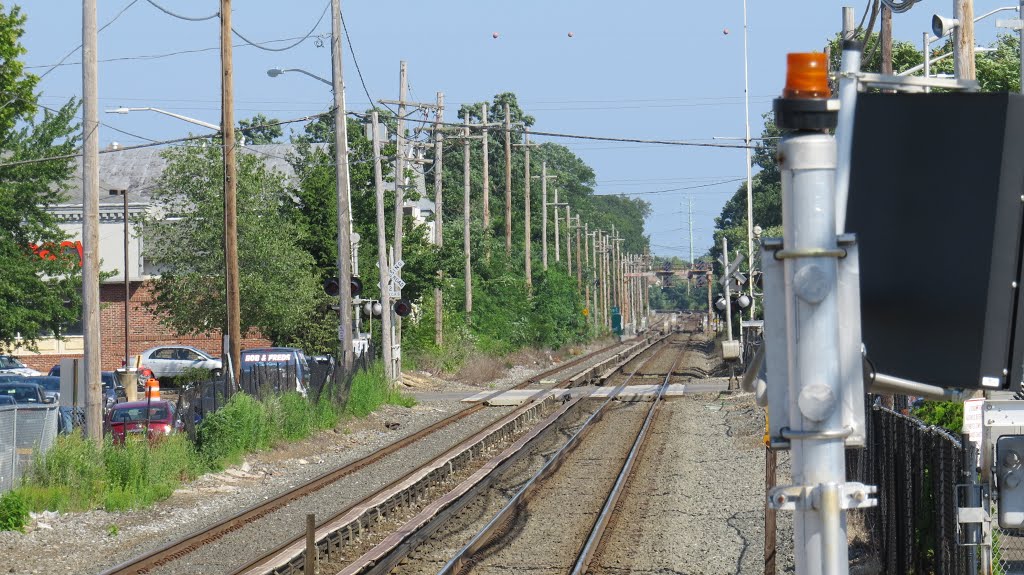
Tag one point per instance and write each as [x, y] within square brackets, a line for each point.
[396, 283]
[398, 265]
[974, 423]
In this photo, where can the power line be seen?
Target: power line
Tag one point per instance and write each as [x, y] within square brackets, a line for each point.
[359, 71]
[668, 190]
[290, 46]
[181, 17]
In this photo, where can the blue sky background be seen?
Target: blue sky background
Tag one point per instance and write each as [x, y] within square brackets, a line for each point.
[645, 69]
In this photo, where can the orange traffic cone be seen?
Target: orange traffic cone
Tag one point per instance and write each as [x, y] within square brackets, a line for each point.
[152, 389]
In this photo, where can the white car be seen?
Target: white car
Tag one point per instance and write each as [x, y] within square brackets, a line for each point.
[172, 360]
[10, 365]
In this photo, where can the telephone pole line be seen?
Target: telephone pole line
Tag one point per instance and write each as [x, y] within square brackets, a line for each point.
[568, 241]
[579, 266]
[382, 259]
[438, 219]
[466, 214]
[403, 86]
[486, 174]
[885, 37]
[963, 41]
[508, 182]
[227, 129]
[544, 177]
[91, 225]
[527, 224]
[586, 262]
[343, 197]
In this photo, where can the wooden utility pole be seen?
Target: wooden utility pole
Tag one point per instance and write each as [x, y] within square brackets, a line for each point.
[963, 40]
[382, 257]
[558, 250]
[568, 240]
[91, 225]
[227, 130]
[403, 86]
[508, 182]
[438, 219]
[544, 177]
[343, 202]
[127, 285]
[527, 225]
[586, 262]
[885, 37]
[466, 214]
[614, 293]
[606, 278]
[486, 174]
[579, 265]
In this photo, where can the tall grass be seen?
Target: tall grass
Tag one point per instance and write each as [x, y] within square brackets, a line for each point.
[76, 474]
[370, 390]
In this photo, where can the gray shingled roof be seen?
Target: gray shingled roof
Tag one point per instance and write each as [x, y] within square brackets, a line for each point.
[138, 171]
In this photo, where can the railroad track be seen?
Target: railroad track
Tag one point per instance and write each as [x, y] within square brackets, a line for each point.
[176, 556]
[544, 445]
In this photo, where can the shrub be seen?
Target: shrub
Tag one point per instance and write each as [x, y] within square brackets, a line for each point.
[946, 414]
[370, 390]
[241, 426]
[13, 512]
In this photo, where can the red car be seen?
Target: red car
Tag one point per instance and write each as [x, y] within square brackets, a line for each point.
[130, 419]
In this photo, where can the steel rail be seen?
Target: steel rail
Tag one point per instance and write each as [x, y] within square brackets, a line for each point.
[593, 543]
[293, 550]
[521, 498]
[175, 550]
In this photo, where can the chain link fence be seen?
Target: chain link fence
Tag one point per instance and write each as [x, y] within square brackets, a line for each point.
[24, 432]
[916, 467]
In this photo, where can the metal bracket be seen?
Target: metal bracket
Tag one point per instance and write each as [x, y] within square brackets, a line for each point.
[968, 516]
[809, 253]
[816, 433]
[852, 495]
[910, 83]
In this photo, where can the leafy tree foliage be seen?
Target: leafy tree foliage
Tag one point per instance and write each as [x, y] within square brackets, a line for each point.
[37, 294]
[260, 130]
[278, 286]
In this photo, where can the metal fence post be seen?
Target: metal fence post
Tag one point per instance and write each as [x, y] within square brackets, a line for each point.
[971, 531]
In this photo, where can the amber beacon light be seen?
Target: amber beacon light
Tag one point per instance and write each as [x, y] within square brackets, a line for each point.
[806, 75]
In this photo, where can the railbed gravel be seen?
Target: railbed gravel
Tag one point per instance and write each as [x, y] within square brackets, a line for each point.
[94, 541]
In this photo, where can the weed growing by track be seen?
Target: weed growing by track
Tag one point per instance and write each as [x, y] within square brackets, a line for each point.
[77, 475]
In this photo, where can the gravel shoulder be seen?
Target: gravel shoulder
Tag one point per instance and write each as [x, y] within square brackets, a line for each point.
[90, 542]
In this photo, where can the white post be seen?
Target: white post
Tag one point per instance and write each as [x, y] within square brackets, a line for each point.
[728, 292]
[382, 259]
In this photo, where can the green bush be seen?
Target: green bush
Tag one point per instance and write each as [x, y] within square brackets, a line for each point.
[370, 390]
[13, 512]
[945, 414]
[241, 426]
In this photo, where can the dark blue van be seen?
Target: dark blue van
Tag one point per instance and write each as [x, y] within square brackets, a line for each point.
[283, 368]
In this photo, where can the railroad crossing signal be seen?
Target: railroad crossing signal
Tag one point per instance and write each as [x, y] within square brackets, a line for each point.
[733, 278]
[395, 282]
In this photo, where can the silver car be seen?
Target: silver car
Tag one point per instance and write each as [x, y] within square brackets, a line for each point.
[172, 360]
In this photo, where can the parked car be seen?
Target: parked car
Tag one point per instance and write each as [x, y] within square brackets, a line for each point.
[129, 419]
[10, 365]
[268, 360]
[50, 385]
[6, 400]
[172, 360]
[25, 393]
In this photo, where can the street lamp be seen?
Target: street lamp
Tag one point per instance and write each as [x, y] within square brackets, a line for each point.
[275, 72]
[123, 110]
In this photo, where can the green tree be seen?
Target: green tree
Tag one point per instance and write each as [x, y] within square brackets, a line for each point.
[278, 285]
[260, 130]
[37, 294]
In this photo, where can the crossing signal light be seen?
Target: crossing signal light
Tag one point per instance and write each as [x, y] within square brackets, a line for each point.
[356, 286]
[332, 287]
[402, 307]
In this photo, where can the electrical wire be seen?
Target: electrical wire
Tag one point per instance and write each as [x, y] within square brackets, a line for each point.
[359, 71]
[55, 111]
[181, 17]
[668, 190]
[290, 46]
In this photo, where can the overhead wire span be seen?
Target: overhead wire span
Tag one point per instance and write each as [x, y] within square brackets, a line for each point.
[183, 17]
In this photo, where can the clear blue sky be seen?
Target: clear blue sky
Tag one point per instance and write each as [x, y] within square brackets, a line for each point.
[653, 70]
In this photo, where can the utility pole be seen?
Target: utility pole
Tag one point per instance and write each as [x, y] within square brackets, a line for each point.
[403, 86]
[885, 37]
[486, 174]
[527, 224]
[568, 240]
[343, 195]
[466, 213]
[227, 130]
[91, 225]
[963, 40]
[382, 258]
[558, 251]
[579, 266]
[689, 226]
[438, 219]
[508, 182]
[127, 284]
[616, 300]
[586, 261]
[544, 177]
